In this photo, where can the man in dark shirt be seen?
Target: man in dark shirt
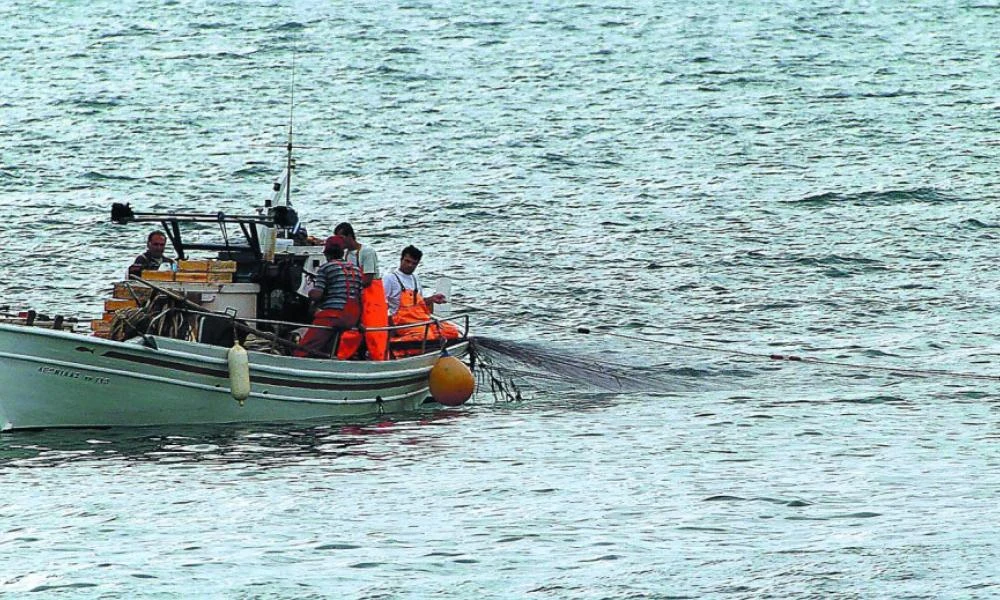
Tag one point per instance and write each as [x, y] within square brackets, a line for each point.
[337, 294]
[152, 258]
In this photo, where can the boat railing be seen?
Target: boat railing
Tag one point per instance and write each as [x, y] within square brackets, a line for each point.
[464, 318]
[32, 318]
[275, 336]
[461, 321]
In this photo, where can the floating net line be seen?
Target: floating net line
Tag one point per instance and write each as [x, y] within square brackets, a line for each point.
[500, 362]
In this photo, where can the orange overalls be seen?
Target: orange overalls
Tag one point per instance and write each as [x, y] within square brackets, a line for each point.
[413, 309]
[374, 313]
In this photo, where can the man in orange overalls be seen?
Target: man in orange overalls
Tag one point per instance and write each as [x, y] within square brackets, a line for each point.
[407, 304]
[374, 313]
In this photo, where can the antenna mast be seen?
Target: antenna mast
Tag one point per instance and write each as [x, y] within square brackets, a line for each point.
[291, 113]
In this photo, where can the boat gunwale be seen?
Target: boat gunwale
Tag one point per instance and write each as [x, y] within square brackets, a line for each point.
[328, 369]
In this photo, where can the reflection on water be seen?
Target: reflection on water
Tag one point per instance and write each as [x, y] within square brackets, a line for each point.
[258, 444]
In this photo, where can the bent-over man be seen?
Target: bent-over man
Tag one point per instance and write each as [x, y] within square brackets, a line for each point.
[337, 294]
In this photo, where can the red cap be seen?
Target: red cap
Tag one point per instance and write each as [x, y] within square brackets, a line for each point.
[335, 241]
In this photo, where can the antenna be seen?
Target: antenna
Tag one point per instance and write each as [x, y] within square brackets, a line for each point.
[283, 185]
[291, 114]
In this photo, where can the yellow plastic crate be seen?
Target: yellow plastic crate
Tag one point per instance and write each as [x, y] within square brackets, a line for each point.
[192, 266]
[122, 291]
[157, 275]
[116, 304]
[222, 266]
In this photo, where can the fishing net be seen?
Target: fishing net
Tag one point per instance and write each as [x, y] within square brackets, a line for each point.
[508, 366]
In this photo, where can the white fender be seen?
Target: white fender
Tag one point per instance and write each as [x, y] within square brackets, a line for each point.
[239, 372]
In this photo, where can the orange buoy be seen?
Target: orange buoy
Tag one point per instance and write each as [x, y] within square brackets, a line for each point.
[451, 382]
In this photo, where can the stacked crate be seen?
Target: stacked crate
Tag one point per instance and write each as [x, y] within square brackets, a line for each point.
[205, 271]
[131, 291]
[188, 271]
[157, 275]
[124, 296]
[102, 327]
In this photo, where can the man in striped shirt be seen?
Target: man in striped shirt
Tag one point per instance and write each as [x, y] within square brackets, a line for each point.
[336, 293]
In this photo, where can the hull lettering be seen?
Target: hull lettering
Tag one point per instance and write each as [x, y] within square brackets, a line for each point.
[73, 375]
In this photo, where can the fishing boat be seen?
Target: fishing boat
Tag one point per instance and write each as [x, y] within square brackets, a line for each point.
[214, 344]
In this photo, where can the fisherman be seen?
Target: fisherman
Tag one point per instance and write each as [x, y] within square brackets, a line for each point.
[404, 280]
[363, 257]
[374, 313]
[152, 258]
[337, 294]
[407, 305]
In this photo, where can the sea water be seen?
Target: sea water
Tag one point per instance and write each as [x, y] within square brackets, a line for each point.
[698, 185]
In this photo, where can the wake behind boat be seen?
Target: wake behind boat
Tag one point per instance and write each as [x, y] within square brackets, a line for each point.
[170, 347]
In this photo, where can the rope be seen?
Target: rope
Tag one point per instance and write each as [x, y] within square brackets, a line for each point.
[754, 355]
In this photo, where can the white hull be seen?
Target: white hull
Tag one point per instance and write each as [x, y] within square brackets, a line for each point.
[61, 379]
